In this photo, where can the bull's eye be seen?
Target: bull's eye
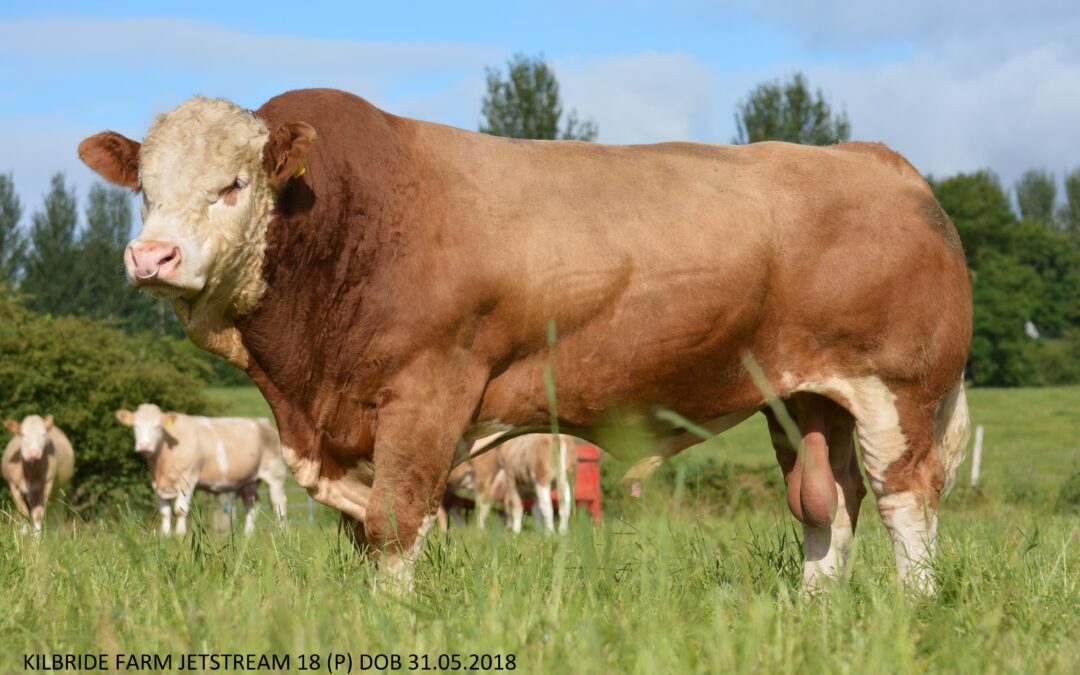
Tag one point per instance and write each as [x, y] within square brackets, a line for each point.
[228, 194]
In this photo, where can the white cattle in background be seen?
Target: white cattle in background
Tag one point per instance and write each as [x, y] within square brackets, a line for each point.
[217, 454]
[37, 461]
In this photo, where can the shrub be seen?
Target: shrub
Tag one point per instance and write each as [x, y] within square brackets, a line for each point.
[81, 371]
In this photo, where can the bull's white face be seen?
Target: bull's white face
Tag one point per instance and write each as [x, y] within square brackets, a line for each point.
[33, 433]
[210, 173]
[206, 199]
[149, 424]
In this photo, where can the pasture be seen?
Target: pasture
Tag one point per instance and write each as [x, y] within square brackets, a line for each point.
[664, 585]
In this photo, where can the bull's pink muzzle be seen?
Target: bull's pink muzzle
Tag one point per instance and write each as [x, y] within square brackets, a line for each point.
[147, 260]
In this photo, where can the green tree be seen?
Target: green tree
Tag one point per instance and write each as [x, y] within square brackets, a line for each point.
[50, 276]
[526, 104]
[1035, 194]
[980, 210]
[12, 240]
[1022, 270]
[1069, 216]
[1006, 296]
[103, 291]
[101, 251]
[1050, 254]
[788, 111]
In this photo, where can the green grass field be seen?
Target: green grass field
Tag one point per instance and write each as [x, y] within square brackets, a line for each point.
[657, 588]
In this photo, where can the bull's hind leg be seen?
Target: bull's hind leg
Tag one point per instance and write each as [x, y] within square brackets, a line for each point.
[827, 536]
[899, 433]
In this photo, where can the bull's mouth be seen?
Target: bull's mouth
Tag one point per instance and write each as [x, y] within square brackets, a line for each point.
[161, 289]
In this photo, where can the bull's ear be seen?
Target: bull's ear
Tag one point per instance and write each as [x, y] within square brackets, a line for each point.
[125, 417]
[48, 422]
[12, 426]
[283, 157]
[114, 156]
[168, 419]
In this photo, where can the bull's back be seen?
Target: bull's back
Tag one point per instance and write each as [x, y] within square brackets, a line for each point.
[662, 265]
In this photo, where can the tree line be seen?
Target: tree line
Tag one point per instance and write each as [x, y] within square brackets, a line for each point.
[1024, 262]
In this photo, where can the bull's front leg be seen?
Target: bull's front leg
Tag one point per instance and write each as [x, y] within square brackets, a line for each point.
[414, 448]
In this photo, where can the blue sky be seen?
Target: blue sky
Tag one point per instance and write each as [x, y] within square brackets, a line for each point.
[954, 86]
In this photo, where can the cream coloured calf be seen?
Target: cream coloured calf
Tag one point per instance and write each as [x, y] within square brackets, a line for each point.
[37, 461]
[524, 466]
[218, 454]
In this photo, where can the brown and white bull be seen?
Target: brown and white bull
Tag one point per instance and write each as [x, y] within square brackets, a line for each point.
[393, 287]
[217, 454]
[37, 462]
[527, 466]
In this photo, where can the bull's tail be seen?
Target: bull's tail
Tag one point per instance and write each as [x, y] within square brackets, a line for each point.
[952, 426]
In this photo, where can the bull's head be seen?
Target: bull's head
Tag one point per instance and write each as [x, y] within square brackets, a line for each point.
[33, 435]
[150, 425]
[209, 172]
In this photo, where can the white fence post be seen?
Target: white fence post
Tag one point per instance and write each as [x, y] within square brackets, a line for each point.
[976, 459]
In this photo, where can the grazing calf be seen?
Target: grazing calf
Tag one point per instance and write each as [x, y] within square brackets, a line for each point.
[529, 464]
[218, 454]
[38, 460]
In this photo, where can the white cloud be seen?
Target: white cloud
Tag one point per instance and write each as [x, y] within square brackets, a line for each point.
[989, 86]
[643, 98]
[1017, 113]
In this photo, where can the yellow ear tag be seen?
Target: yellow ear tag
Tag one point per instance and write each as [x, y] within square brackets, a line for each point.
[299, 171]
[169, 423]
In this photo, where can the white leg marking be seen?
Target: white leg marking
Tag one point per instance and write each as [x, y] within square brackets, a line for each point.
[249, 518]
[517, 512]
[278, 499]
[183, 502]
[913, 527]
[543, 500]
[483, 509]
[395, 572]
[566, 493]
[165, 509]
